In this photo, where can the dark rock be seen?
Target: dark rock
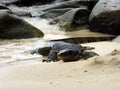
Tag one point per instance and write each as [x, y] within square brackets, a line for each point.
[73, 19]
[91, 4]
[105, 17]
[73, 4]
[85, 71]
[61, 8]
[54, 13]
[22, 13]
[58, 1]
[31, 2]
[13, 27]
[3, 7]
[68, 4]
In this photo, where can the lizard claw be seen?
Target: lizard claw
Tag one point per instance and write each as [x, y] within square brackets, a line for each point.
[46, 60]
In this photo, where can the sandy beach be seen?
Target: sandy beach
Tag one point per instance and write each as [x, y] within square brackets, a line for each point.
[96, 73]
[93, 23]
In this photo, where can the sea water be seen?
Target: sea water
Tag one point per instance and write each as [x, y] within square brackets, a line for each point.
[13, 51]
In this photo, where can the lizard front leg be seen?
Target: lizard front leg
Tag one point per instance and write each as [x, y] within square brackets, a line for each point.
[52, 56]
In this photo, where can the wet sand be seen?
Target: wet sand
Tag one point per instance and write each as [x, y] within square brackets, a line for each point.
[97, 73]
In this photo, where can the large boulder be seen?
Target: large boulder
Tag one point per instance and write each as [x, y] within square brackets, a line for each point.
[105, 17]
[13, 27]
[73, 19]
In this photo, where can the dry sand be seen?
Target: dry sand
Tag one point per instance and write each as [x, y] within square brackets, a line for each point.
[97, 73]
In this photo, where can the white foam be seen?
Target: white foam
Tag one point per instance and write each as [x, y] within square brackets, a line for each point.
[117, 39]
[16, 50]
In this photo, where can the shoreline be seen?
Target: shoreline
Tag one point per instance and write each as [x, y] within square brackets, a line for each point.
[93, 74]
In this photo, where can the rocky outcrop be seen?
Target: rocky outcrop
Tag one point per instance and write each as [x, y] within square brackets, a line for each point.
[105, 17]
[70, 15]
[73, 19]
[13, 27]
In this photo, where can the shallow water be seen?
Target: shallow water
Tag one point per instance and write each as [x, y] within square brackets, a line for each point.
[13, 51]
[50, 31]
[16, 50]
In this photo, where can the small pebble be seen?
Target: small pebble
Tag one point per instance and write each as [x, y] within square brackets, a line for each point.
[50, 83]
[85, 71]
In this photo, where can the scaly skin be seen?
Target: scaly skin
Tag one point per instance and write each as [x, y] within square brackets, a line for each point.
[63, 51]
